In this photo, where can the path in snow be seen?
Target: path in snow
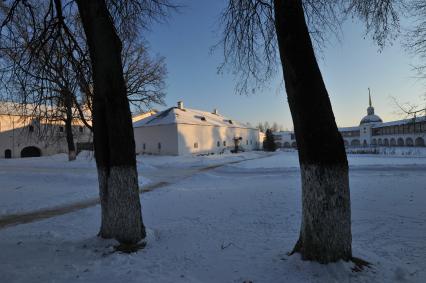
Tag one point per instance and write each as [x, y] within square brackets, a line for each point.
[160, 177]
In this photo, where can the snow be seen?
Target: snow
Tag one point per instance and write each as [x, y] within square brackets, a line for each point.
[232, 223]
[401, 122]
[349, 129]
[175, 115]
[38, 183]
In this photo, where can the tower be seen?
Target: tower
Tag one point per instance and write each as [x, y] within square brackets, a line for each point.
[370, 109]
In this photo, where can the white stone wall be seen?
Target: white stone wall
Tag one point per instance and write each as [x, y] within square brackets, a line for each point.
[15, 135]
[198, 139]
[151, 136]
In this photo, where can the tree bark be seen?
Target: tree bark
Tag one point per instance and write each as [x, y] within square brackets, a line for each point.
[113, 132]
[325, 234]
[68, 99]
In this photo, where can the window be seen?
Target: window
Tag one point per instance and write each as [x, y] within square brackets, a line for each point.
[251, 142]
[218, 143]
[246, 142]
[144, 146]
[195, 144]
[80, 129]
[31, 128]
[61, 129]
[159, 145]
[224, 143]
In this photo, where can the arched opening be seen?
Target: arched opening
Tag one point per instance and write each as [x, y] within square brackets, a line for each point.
[294, 144]
[374, 142]
[7, 154]
[355, 142]
[30, 151]
[380, 142]
[409, 142]
[346, 143]
[286, 144]
[420, 142]
[364, 143]
[400, 142]
[386, 142]
[392, 142]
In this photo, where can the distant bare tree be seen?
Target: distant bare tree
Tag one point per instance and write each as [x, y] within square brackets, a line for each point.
[417, 36]
[261, 127]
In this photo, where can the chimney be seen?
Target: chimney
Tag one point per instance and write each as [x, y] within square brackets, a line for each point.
[215, 111]
[180, 104]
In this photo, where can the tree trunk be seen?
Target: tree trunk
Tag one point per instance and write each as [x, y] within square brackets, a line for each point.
[68, 99]
[113, 132]
[325, 234]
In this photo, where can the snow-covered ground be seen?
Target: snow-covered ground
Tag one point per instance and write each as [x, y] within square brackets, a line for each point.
[45, 182]
[229, 224]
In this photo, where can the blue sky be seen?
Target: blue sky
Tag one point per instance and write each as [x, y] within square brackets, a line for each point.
[349, 67]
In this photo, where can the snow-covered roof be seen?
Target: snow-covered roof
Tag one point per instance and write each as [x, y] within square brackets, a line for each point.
[371, 118]
[175, 115]
[348, 129]
[400, 122]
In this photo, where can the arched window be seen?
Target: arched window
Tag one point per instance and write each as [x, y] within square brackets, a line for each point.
[400, 142]
[30, 151]
[409, 142]
[420, 142]
[355, 142]
[7, 154]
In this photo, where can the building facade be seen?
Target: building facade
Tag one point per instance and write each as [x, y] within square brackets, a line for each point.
[285, 139]
[372, 132]
[26, 136]
[182, 131]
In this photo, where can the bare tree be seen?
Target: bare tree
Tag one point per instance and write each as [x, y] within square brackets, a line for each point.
[64, 71]
[102, 22]
[417, 36]
[256, 34]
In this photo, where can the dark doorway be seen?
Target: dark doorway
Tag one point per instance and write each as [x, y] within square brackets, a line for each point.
[30, 151]
[7, 154]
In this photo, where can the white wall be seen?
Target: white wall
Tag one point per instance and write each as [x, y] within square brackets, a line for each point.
[152, 135]
[207, 138]
[15, 135]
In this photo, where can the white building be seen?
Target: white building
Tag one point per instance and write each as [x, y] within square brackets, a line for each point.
[372, 131]
[181, 131]
[23, 135]
[285, 139]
